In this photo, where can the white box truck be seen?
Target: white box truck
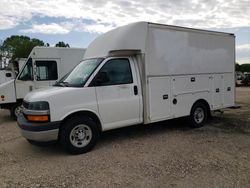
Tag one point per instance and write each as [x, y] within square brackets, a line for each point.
[44, 66]
[6, 75]
[10, 72]
[138, 73]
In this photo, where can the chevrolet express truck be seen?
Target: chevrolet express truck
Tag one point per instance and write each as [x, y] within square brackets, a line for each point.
[44, 66]
[136, 74]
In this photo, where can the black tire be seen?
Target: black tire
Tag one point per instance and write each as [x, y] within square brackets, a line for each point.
[198, 119]
[37, 143]
[13, 110]
[71, 126]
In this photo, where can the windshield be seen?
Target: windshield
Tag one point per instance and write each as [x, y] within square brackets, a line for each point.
[80, 74]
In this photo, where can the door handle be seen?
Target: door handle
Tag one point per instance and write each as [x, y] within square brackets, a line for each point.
[30, 88]
[135, 90]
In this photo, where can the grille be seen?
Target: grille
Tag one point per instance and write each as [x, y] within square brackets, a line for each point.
[25, 104]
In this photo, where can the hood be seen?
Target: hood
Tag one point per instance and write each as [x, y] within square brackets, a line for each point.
[44, 94]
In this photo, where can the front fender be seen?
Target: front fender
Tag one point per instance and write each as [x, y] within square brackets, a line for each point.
[83, 110]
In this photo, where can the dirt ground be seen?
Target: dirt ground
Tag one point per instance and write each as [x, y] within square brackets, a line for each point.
[166, 154]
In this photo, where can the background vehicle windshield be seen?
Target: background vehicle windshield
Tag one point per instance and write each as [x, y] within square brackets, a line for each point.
[27, 72]
[80, 74]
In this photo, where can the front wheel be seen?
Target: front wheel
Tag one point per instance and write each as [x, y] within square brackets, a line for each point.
[198, 115]
[15, 110]
[79, 135]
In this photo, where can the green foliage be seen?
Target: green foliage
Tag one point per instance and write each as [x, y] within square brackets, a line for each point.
[17, 46]
[244, 68]
[237, 67]
[62, 44]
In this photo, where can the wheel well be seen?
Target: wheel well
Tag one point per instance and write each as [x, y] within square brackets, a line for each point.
[10, 105]
[19, 101]
[89, 114]
[205, 103]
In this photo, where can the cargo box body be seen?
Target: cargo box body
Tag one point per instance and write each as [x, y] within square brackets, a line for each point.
[178, 66]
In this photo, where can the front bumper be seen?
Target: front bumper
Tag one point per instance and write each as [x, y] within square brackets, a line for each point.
[42, 132]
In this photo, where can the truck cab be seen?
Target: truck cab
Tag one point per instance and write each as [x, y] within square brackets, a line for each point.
[90, 93]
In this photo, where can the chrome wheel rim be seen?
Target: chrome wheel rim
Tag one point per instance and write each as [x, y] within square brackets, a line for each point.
[199, 115]
[80, 136]
[18, 111]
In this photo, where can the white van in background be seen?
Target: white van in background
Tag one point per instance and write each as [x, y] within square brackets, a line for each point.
[138, 73]
[44, 66]
[6, 75]
[13, 68]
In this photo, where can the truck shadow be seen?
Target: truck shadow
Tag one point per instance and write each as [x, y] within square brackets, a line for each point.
[5, 117]
[137, 131]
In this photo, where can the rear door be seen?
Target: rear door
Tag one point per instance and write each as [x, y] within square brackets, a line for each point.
[119, 96]
[46, 72]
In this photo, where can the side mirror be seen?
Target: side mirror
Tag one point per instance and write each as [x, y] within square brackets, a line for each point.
[8, 75]
[102, 78]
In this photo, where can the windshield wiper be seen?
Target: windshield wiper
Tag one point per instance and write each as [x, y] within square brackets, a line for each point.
[62, 84]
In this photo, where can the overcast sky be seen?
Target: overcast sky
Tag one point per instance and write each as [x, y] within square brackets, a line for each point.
[78, 22]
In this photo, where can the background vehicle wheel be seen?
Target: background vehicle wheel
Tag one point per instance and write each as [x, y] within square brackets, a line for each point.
[15, 110]
[199, 114]
[79, 135]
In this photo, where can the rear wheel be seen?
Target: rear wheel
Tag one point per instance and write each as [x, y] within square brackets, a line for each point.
[79, 135]
[199, 114]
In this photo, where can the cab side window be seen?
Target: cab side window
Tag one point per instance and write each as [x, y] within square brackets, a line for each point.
[46, 70]
[27, 72]
[114, 72]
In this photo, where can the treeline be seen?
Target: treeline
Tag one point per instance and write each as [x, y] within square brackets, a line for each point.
[242, 68]
[18, 46]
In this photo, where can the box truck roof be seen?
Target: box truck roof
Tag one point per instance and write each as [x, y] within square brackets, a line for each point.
[168, 49]
[54, 52]
[133, 37]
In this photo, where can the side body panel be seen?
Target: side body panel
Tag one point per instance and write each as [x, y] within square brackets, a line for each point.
[193, 64]
[181, 92]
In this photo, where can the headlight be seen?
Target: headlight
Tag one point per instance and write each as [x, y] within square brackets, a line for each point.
[36, 111]
[41, 105]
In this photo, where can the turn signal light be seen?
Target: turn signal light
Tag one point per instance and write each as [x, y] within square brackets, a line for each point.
[42, 118]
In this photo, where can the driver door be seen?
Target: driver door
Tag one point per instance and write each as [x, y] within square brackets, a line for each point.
[46, 72]
[25, 80]
[117, 93]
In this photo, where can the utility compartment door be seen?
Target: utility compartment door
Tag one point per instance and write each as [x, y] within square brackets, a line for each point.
[217, 91]
[228, 89]
[159, 98]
